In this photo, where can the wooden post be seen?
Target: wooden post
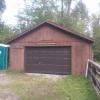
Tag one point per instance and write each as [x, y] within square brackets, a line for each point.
[94, 75]
[87, 67]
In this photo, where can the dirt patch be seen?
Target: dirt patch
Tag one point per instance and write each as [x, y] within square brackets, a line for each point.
[4, 80]
[7, 95]
[47, 76]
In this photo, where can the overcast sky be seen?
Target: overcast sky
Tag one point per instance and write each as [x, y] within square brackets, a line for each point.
[14, 5]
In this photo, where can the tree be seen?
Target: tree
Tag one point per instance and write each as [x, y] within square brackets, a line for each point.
[36, 12]
[40, 10]
[6, 33]
[68, 4]
[75, 18]
[95, 25]
[80, 17]
[62, 8]
[65, 18]
[2, 8]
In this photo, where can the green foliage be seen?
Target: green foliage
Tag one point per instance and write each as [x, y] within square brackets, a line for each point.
[2, 8]
[6, 33]
[65, 21]
[95, 23]
[97, 55]
[80, 17]
[38, 11]
[42, 88]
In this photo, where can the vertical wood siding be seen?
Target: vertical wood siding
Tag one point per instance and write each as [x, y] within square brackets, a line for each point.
[49, 36]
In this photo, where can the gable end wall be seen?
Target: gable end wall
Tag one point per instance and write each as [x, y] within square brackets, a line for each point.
[49, 36]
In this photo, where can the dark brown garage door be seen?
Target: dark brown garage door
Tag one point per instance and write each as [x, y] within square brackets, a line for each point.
[50, 60]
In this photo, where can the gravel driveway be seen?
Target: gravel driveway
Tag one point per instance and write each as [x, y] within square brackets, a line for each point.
[5, 92]
[6, 80]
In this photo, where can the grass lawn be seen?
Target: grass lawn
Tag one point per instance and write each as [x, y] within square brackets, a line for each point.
[98, 62]
[39, 88]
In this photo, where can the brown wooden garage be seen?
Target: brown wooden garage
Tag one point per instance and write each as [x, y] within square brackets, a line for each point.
[51, 60]
[50, 48]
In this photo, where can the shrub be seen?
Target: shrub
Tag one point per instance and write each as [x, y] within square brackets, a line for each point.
[97, 55]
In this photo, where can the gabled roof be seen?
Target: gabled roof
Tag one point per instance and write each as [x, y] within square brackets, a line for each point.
[76, 34]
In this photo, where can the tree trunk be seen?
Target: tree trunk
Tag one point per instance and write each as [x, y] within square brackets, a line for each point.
[69, 7]
[62, 8]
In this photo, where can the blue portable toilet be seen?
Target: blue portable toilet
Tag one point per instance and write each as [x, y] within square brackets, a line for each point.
[4, 56]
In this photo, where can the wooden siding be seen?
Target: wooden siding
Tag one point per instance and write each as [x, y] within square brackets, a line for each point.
[49, 36]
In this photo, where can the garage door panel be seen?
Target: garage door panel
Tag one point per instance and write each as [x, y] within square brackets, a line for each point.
[49, 55]
[49, 58]
[47, 61]
[55, 60]
[56, 69]
[49, 66]
[50, 72]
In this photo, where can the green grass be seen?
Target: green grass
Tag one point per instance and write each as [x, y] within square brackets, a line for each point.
[37, 88]
[98, 62]
[78, 88]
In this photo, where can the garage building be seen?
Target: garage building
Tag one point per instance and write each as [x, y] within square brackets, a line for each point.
[50, 48]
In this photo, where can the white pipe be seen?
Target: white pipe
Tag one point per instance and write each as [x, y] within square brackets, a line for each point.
[87, 67]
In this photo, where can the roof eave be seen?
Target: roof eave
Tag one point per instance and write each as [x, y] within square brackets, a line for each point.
[79, 35]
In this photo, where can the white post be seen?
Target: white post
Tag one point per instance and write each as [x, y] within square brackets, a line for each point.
[87, 67]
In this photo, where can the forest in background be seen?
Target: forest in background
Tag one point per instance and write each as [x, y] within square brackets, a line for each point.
[72, 14]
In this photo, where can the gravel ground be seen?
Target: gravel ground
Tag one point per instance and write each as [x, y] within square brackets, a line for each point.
[7, 95]
[47, 76]
[5, 80]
